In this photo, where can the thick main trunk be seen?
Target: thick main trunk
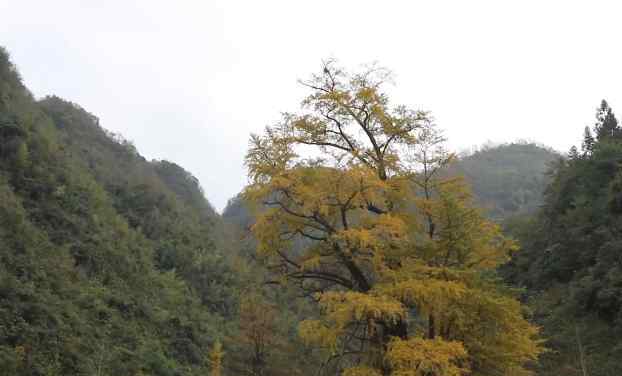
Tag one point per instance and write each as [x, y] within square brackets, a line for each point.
[431, 327]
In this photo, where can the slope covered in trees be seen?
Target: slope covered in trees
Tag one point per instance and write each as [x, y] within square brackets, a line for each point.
[373, 258]
[111, 264]
[107, 262]
[507, 179]
[571, 263]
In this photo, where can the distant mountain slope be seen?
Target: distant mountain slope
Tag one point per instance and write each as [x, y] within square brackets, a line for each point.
[507, 179]
[107, 260]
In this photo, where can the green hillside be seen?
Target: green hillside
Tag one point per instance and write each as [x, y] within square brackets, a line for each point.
[111, 264]
[507, 179]
[570, 264]
[108, 264]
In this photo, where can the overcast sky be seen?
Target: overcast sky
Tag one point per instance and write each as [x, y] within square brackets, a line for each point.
[188, 81]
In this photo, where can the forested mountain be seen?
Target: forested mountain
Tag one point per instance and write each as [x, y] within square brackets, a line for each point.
[108, 264]
[571, 258]
[507, 179]
[111, 264]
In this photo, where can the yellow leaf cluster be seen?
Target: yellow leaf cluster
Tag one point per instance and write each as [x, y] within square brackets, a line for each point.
[316, 332]
[426, 294]
[423, 357]
[493, 327]
[344, 308]
[215, 356]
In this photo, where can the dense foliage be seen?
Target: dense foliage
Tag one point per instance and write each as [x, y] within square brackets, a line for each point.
[107, 265]
[355, 250]
[571, 263]
[398, 261]
[114, 265]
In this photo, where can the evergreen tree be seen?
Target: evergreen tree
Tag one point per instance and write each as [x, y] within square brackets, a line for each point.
[606, 126]
[573, 153]
[571, 262]
[587, 145]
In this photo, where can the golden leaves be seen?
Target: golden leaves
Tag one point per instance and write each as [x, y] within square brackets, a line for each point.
[384, 235]
[316, 332]
[215, 356]
[495, 330]
[462, 238]
[267, 156]
[361, 371]
[426, 294]
[423, 357]
[344, 308]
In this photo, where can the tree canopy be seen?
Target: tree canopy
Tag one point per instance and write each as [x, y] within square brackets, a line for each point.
[398, 260]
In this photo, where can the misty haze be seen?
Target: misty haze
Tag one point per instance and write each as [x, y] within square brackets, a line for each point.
[310, 188]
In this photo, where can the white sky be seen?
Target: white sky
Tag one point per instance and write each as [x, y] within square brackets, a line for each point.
[189, 81]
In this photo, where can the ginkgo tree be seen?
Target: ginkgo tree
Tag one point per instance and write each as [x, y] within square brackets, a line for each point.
[355, 209]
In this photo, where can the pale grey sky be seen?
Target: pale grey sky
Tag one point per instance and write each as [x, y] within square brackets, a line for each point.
[189, 81]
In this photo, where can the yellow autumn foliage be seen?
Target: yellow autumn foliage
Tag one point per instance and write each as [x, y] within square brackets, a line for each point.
[426, 294]
[361, 371]
[423, 357]
[343, 308]
[316, 332]
[215, 356]
[353, 209]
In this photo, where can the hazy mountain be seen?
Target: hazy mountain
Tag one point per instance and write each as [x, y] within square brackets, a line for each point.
[507, 179]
